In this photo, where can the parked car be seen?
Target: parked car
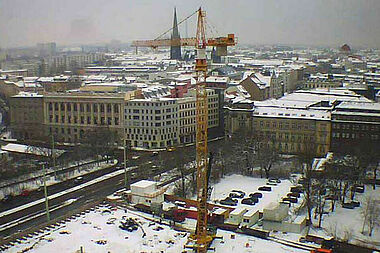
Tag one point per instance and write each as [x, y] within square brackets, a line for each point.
[257, 195]
[271, 184]
[249, 201]
[274, 180]
[290, 199]
[359, 188]
[348, 205]
[296, 189]
[293, 194]
[355, 203]
[155, 153]
[170, 149]
[228, 202]
[265, 188]
[238, 195]
[241, 194]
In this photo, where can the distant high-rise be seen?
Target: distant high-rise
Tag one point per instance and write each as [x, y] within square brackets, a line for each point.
[175, 50]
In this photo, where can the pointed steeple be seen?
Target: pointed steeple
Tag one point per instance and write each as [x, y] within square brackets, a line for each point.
[175, 51]
[175, 34]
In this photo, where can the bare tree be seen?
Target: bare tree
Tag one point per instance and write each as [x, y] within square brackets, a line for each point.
[320, 196]
[370, 213]
[306, 160]
[266, 155]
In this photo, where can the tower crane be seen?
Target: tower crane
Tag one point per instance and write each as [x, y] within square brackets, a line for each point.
[202, 236]
[220, 43]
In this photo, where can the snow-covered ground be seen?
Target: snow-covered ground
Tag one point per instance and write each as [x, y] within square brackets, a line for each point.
[348, 222]
[98, 231]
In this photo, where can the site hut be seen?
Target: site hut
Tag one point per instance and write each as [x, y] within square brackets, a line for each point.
[146, 192]
[250, 218]
[275, 212]
[236, 216]
[219, 215]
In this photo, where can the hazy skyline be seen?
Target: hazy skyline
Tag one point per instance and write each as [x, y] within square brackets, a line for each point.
[297, 22]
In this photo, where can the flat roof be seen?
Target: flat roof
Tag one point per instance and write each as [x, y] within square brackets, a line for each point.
[144, 184]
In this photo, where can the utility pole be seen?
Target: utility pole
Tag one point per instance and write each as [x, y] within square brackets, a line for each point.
[53, 154]
[125, 161]
[45, 192]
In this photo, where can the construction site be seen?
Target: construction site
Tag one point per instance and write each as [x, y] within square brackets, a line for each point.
[238, 213]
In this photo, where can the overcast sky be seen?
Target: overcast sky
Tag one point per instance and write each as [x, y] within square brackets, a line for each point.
[302, 22]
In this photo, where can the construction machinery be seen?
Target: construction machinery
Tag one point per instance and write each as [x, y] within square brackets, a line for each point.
[203, 234]
[220, 43]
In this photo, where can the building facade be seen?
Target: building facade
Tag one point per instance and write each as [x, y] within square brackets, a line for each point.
[69, 115]
[26, 116]
[354, 126]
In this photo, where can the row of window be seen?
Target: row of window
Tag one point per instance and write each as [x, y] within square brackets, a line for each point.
[150, 111]
[286, 136]
[354, 136]
[150, 131]
[149, 103]
[84, 120]
[355, 127]
[83, 107]
[285, 125]
[143, 137]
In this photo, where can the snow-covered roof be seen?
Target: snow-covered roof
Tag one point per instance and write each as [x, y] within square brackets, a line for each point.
[144, 184]
[291, 113]
[25, 149]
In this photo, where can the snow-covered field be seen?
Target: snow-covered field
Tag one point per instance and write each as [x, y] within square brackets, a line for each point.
[98, 231]
[348, 222]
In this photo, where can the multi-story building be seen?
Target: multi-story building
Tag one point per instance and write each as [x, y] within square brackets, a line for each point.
[262, 87]
[151, 123]
[164, 122]
[354, 126]
[298, 121]
[293, 130]
[26, 116]
[69, 115]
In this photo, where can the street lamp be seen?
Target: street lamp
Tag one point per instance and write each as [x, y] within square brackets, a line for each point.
[45, 192]
[125, 161]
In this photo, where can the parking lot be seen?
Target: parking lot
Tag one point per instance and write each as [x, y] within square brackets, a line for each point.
[261, 192]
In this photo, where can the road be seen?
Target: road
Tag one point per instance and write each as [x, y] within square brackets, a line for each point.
[93, 193]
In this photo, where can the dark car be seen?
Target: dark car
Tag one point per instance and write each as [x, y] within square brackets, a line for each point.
[238, 195]
[293, 194]
[265, 188]
[290, 199]
[348, 205]
[355, 203]
[248, 201]
[297, 189]
[228, 202]
[359, 188]
[256, 195]
[274, 180]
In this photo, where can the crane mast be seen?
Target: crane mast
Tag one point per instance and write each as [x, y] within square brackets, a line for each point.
[202, 238]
